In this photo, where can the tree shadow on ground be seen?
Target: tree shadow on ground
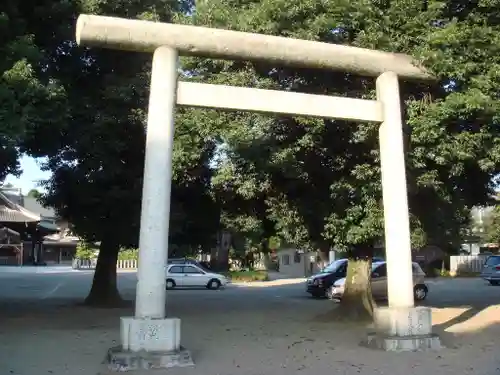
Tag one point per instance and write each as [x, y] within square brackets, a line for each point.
[264, 327]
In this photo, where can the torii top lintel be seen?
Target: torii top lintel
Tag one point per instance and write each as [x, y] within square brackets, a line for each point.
[146, 36]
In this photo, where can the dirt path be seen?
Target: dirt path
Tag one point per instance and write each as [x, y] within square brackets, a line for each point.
[274, 339]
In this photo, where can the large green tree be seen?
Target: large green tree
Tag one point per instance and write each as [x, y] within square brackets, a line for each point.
[96, 157]
[28, 97]
[321, 179]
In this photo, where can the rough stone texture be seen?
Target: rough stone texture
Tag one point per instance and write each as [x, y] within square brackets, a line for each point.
[403, 344]
[125, 360]
[151, 335]
[399, 322]
[403, 329]
[144, 36]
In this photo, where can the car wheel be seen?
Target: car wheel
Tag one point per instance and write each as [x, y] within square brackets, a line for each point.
[170, 284]
[494, 282]
[213, 284]
[420, 292]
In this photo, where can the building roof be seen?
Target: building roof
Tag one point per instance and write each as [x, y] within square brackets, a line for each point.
[32, 204]
[13, 194]
[11, 212]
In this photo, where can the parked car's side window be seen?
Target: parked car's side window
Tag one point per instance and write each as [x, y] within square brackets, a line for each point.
[176, 269]
[380, 271]
[191, 270]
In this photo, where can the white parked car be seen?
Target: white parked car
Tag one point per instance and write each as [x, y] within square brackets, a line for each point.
[192, 276]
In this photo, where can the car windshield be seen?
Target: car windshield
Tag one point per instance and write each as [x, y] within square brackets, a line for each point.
[332, 267]
[375, 265]
[204, 269]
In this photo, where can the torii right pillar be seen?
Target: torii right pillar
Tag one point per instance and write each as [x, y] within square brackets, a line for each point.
[401, 326]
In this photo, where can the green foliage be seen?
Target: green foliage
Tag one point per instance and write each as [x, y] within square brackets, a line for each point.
[445, 273]
[96, 153]
[34, 193]
[28, 99]
[317, 182]
[128, 254]
[96, 157]
[85, 250]
[307, 182]
[492, 230]
[248, 276]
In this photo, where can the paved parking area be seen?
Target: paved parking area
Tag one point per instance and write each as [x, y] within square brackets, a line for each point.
[59, 284]
[456, 292]
[241, 330]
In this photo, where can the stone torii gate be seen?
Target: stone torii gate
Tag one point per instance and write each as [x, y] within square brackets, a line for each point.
[151, 340]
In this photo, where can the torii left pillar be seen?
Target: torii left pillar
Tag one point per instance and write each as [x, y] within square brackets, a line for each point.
[150, 340]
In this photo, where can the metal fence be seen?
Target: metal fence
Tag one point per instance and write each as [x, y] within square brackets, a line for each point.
[126, 264]
[467, 263]
[86, 264]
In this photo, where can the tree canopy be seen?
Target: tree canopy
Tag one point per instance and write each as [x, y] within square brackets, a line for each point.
[319, 180]
[308, 182]
[28, 98]
[34, 193]
[96, 155]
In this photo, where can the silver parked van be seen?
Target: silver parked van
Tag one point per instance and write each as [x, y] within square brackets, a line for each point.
[379, 283]
[491, 270]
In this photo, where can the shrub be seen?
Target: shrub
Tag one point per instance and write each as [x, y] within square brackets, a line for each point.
[85, 251]
[128, 254]
[445, 273]
[246, 276]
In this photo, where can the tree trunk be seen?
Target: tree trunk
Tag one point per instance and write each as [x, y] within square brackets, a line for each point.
[223, 251]
[213, 258]
[104, 291]
[324, 255]
[357, 302]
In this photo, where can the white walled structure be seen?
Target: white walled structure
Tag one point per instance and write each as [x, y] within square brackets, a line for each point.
[296, 263]
[149, 340]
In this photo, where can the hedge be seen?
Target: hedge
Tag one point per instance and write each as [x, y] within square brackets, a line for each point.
[246, 276]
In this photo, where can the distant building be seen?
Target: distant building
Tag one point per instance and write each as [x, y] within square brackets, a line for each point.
[297, 263]
[474, 244]
[40, 235]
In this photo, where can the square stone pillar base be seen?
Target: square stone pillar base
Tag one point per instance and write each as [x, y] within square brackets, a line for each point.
[403, 329]
[148, 344]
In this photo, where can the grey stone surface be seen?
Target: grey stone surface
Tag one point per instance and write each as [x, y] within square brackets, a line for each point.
[143, 36]
[151, 335]
[403, 329]
[121, 360]
[403, 343]
[403, 321]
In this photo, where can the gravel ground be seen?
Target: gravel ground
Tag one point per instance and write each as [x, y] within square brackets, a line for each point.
[256, 329]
